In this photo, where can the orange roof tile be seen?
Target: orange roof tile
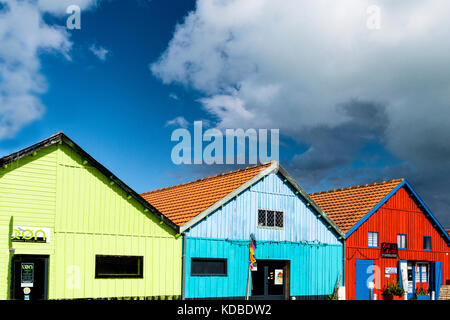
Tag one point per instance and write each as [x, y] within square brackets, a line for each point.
[183, 202]
[347, 206]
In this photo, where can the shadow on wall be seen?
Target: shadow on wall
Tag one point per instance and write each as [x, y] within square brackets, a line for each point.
[11, 255]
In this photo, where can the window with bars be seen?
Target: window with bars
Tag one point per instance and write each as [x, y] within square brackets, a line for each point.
[401, 241]
[373, 239]
[270, 218]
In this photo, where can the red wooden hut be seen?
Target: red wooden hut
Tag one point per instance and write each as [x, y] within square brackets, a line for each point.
[391, 236]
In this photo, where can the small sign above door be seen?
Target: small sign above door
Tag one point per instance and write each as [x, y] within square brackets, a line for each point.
[30, 234]
[389, 250]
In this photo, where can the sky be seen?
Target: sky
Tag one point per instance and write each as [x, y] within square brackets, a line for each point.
[359, 90]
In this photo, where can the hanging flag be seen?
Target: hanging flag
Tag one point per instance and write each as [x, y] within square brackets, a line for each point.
[252, 250]
[252, 260]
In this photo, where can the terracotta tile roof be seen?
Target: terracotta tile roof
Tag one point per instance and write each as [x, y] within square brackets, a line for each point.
[347, 206]
[183, 202]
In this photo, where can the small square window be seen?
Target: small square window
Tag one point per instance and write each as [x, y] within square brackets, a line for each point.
[401, 241]
[426, 243]
[373, 239]
[270, 218]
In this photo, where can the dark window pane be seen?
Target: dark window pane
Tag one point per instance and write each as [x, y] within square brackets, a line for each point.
[208, 267]
[261, 218]
[118, 267]
[270, 218]
[427, 243]
[279, 219]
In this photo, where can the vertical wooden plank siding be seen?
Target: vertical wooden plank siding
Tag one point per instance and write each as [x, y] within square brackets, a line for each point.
[239, 217]
[87, 216]
[315, 269]
[399, 215]
[314, 251]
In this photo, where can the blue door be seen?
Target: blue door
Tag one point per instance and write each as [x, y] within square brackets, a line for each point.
[364, 275]
[437, 278]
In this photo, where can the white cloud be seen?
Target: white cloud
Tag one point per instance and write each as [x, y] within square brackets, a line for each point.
[259, 63]
[23, 36]
[229, 109]
[173, 96]
[288, 66]
[178, 122]
[99, 52]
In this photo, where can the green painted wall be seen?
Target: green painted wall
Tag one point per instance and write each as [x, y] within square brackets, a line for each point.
[87, 216]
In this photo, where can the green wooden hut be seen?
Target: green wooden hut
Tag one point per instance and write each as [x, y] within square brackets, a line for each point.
[70, 229]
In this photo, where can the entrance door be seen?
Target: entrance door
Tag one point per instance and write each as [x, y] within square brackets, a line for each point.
[29, 277]
[437, 279]
[411, 281]
[270, 279]
[422, 276]
[364, 275]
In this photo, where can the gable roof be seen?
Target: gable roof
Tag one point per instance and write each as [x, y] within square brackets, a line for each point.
[350, 207]
[187, 204]
[185, 201]
[60, 138]
[347, 206]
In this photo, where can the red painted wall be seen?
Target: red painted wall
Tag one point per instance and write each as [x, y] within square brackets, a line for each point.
[399, 215]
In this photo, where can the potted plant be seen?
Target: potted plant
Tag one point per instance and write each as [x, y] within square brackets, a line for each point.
[392, 289]
[422, 294]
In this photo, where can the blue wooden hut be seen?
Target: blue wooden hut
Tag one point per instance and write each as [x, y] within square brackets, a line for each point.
[299, 250]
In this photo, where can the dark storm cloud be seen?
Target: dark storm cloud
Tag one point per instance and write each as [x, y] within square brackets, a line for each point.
[314, 55]
[332, 147]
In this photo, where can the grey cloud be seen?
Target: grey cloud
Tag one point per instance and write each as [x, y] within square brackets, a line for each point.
[296, 67]
[335, 146]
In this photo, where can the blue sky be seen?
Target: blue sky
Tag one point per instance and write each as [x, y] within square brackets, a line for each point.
[353, 104]
[115, 109]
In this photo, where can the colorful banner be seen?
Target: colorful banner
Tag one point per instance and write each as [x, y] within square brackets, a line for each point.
[252, 250]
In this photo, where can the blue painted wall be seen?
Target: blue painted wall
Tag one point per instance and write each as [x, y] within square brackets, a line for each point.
[314, 251]
[315, 269]
[239, 217]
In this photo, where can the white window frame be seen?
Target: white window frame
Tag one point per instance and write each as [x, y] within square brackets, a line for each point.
[370, 240]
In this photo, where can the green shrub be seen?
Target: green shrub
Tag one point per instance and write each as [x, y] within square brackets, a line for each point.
[393, 289]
